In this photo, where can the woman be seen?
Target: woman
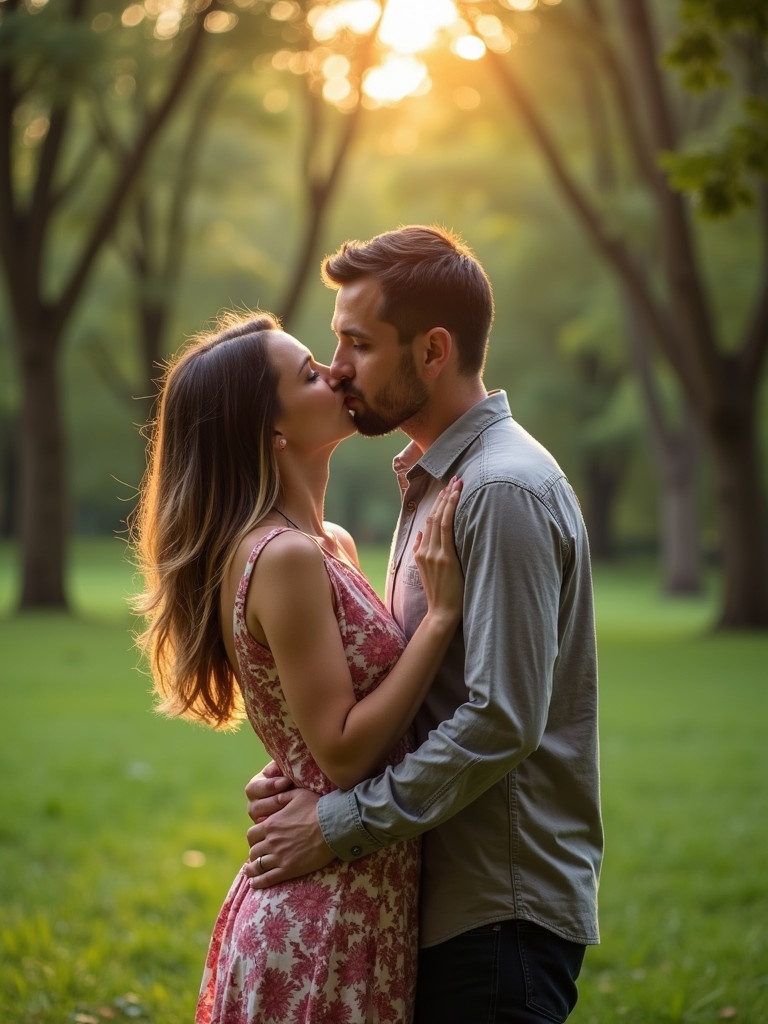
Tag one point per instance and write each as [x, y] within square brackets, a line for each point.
[256, 605]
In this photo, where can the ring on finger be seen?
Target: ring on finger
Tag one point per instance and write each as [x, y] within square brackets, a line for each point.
[259, 864]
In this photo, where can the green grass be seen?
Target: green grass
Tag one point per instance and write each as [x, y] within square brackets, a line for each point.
[120, 832]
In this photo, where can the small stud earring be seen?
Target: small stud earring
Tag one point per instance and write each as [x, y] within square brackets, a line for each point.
[282, 442]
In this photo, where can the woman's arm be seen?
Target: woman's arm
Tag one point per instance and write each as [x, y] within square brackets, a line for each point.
[291, 599]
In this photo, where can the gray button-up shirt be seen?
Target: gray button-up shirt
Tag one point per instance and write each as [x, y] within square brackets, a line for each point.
[504, 784]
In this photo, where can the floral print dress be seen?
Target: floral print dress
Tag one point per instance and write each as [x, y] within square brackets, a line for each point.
[337, 946]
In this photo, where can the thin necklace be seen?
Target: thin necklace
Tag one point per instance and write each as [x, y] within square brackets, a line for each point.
[331, 540]
[289, 521]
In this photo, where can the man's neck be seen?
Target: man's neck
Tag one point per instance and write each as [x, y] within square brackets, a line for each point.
[442, 411]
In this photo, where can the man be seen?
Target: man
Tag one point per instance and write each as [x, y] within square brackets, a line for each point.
[504, 785]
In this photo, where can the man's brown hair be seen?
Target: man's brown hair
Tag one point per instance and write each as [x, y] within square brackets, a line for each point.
[428, 278]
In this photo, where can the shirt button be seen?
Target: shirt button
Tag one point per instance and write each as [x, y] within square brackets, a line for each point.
[356, 851]
[411, 506]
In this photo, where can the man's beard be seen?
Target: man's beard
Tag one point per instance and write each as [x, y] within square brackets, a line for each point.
[399, 401]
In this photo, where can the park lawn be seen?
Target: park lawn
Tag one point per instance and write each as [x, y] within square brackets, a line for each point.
[121, 831]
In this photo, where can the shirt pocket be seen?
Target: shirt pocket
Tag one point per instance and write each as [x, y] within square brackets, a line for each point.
[411, 577]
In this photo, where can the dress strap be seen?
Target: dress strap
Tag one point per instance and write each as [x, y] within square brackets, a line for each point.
[238, 612]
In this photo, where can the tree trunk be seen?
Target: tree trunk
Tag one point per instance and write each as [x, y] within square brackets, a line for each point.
[42, 491]
[675, 453]
[681, 323]
[8, 475]
[677, 459]
[601, 483]
[735, 455]
[32, 205]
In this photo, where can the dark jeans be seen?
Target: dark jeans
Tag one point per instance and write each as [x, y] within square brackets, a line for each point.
[513, 972]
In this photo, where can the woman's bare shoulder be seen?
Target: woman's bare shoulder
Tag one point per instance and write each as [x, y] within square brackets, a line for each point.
[345, 539]
[288, 549]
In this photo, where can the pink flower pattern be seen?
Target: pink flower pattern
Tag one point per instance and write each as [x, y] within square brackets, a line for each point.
[339, 946]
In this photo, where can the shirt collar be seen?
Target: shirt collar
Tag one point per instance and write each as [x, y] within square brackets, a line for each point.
[443, 452]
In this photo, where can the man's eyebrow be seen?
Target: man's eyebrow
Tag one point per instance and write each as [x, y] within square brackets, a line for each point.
[351, 332]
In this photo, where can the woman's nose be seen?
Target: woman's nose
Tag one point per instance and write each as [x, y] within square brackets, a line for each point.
[325, 373]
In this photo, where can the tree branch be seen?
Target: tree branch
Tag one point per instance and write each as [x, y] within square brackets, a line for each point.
[105, 222]
[103, 363]
[625, 98]
[700, 366]
[43, 199]
[188, 162]
[321, 188]
[612, 249]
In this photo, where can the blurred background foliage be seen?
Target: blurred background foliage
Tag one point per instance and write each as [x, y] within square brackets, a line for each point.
[163, 160]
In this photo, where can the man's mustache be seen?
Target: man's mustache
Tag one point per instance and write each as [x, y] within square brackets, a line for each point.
[347, 389]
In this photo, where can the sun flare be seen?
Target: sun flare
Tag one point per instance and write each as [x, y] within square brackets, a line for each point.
[409, 27]
[394, 78]
[406, 30]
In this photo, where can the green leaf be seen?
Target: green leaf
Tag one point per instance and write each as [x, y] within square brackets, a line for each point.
[698, 56]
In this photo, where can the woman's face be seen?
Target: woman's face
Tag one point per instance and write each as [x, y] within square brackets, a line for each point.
[313, 411]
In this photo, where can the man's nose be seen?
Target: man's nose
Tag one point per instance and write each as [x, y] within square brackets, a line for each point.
[342, 369]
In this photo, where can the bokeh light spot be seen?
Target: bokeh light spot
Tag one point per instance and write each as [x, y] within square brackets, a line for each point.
[468, 47]
[275, 101]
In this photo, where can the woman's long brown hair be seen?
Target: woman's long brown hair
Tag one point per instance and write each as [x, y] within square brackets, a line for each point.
[211, 477]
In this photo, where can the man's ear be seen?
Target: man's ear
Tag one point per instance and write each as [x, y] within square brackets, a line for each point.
[436, 350]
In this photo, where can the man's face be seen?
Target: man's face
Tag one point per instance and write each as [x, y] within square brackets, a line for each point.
[379, 377]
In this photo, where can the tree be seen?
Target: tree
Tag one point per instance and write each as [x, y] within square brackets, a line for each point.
[152, 239]
[672, 302]
[155, 228]
[60, 200]
[673, 438]
[324, 129]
